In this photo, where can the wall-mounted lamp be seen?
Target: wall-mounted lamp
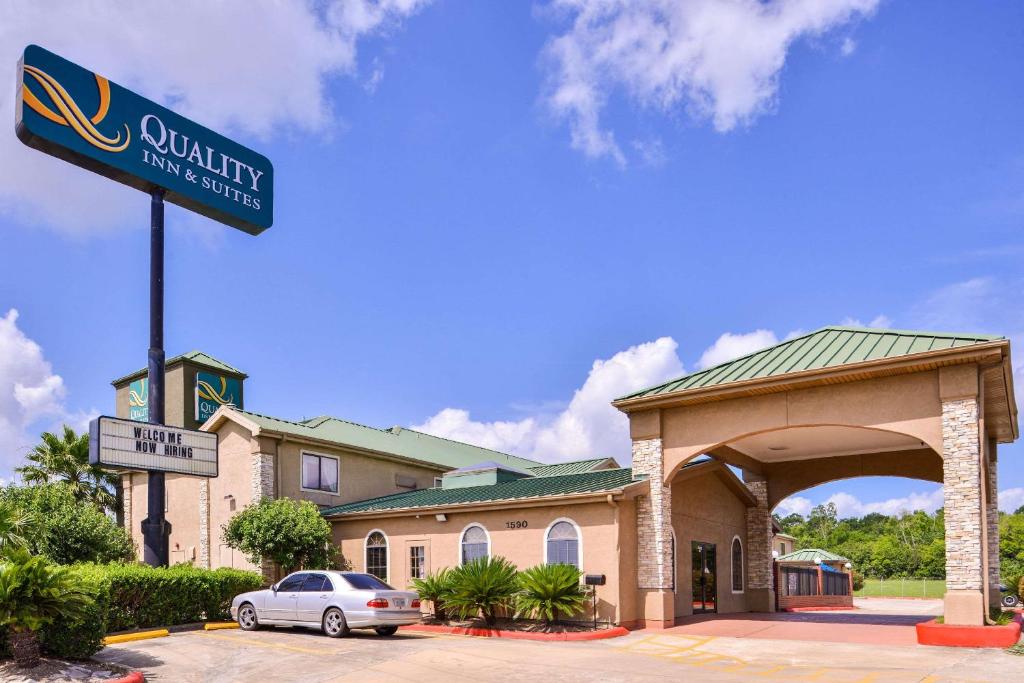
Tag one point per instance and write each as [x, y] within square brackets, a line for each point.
[817, 560]
[441, 517]
[848, 565]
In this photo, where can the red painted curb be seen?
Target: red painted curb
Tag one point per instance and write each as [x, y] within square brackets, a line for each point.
[613, 632]
[954, 635]
[133, 677]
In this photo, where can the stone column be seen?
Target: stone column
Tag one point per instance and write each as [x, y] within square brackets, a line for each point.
[204, 523]
[654, 537]
[262, 483]
[760, 593]
[961, 473]
[992, 520]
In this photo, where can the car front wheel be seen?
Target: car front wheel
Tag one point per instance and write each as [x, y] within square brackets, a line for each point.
[386, 630]
[334, 624]
[247, 619]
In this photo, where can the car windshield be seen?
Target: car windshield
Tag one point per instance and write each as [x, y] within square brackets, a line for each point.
[366, 582]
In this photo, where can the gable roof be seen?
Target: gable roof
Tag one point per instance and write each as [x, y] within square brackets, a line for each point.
[828, 347]
[574, 467]
[599, 481]
[399, 441]
[809, 554]
[196, 357]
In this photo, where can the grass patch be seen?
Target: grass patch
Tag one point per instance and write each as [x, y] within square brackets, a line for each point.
[902, 588]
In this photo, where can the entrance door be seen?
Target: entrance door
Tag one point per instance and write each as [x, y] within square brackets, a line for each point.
[705, 578]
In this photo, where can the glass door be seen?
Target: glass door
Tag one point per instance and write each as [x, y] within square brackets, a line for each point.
[705, 583]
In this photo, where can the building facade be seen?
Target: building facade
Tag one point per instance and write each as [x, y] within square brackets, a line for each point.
[688, 528]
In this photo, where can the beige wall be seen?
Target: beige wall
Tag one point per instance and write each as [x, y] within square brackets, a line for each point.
[230, 491]
[778, 540]
[905, 404]
[705, 510]
[522, 546]
[360, 476]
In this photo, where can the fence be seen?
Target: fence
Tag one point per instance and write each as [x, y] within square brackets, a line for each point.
[902, 588]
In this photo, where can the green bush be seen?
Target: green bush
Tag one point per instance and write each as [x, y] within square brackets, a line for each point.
[483, 586]
[549, 591]
[858, 580]
[141, 596]
[67, 530]
[436, 588]
[292, 533]
[35, 593]
[82, 637]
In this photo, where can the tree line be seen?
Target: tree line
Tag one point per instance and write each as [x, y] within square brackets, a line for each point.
[908, 545]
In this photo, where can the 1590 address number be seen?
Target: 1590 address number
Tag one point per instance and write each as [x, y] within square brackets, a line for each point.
[518, 524]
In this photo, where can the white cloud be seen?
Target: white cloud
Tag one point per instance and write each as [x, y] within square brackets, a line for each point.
[877, 321]
[794, 504]
[1011, 499]
[227, 65]
[30, 394]
[588, 427]
[717, 59]
[730, 346]
[848, 47]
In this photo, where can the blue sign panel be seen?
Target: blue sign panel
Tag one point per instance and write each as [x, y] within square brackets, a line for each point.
[81, 117]
[138, 400]
[214, 391]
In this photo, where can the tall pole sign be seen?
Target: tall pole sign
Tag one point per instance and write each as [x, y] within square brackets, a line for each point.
[83, 118]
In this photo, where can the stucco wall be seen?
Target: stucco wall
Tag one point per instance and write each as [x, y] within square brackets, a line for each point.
[235, 480]
[522, 546]
[360, 476]
[705, 510]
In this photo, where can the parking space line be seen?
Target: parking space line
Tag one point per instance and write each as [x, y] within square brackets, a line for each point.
[260, 643]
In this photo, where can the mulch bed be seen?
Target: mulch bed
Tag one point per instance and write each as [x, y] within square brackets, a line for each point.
[53, 670]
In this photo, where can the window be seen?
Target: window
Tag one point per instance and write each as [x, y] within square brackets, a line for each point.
[319, 473]
[475, 543]
[377, 555]
[365, 582]
[563, 544]
[417, 562]
[438, 482]
[737, 565]
[314, 583]
[782, 547]
[291, 584]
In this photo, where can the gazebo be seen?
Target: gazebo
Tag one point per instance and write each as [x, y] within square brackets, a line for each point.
[813, 578]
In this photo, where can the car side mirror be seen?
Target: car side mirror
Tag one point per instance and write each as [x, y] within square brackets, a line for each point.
[274, 588]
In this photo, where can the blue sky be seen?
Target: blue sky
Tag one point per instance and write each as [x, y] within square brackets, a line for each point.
[489, 221]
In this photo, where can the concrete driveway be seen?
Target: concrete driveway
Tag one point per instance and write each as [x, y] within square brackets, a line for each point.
[878, 621]
[288, 655]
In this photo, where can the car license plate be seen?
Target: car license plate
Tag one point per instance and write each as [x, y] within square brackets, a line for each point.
[399, 602]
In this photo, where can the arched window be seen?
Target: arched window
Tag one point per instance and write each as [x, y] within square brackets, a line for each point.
[377, 555]
[563, 544]
[475, 543]
[737, 565]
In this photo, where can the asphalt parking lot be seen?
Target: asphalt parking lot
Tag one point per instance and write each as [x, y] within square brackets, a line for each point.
[294, 654]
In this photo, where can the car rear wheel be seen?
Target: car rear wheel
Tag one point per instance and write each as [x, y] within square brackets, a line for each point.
[334, 624]
[1009, 601]
[247, 619]
[386, 630]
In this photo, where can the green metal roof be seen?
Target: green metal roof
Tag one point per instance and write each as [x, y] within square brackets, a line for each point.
[528, 487]
[574, 467]
[197, 357]
[809, 555]
[825, 348]
[399, 441]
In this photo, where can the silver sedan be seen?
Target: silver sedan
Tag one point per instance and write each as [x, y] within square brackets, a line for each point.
[332, 601]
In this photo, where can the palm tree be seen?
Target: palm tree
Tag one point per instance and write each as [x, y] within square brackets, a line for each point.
[13, 525]
[66, 459]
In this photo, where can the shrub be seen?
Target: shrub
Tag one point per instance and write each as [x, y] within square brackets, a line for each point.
[34, 593]
[436, 588]
[141, 596]
[858, 580]
[548, 591]
[82, 637]
[291, 533]
[483, 586]
[67, 530]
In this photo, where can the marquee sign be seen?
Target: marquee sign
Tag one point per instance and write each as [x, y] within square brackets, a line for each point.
[81, 117]
[214, 391]
[125, 444]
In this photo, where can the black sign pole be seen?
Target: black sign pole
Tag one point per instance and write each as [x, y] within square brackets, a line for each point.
[155, 530]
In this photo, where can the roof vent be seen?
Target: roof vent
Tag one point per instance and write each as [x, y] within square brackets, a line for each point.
[486, 473]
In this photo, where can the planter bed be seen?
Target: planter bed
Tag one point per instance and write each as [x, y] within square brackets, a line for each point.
[955, 635]
[520, 631]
